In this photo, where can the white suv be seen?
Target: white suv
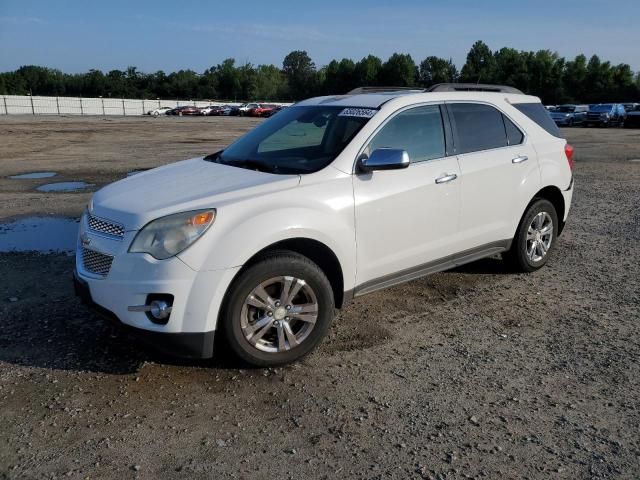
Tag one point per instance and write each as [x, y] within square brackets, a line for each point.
[332, 198]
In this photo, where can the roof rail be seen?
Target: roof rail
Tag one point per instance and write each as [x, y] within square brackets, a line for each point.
[361, 90]
[472, 87]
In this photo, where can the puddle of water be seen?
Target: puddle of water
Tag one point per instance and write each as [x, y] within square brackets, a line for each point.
[39, 234]
[28, 176]
[635, 160]
[64, 186]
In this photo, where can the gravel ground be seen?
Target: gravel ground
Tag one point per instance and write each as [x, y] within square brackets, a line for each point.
[472, 373]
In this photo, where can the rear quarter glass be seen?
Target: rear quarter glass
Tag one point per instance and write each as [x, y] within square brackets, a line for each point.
[537, 113]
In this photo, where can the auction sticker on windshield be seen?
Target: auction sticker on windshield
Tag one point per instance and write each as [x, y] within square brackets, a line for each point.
[358, 112]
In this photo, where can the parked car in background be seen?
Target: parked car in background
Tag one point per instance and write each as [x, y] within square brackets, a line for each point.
[606, 115]
[263, 110]
[159, 111]
[550, 108]
[259, 243]
[184, 110]
[245, 108]
[207, 110]
[569, 115]
[630, 107]
[224, 110]
[633, 117]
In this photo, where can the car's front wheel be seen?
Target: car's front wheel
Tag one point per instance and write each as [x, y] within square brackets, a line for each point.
[277, 310]
[535, 237]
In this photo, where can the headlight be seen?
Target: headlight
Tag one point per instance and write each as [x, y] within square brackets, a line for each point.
[604, 115]
[167, 236]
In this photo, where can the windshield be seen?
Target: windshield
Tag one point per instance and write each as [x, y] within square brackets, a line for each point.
[601, 108]
[296, 140]
[566, 109]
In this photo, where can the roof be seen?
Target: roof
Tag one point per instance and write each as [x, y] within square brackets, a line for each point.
[376, 100]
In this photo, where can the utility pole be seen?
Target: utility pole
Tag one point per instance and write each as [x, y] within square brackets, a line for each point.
[58, 105]
[33, 112]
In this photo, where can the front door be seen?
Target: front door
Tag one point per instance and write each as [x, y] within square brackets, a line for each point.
[407, 218]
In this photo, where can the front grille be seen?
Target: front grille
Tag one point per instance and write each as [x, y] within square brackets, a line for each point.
[105, 226]
[96, 262]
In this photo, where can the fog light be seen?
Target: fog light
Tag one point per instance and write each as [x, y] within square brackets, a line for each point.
[160, 309]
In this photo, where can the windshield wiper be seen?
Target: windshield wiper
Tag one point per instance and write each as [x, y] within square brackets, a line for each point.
[249, 164]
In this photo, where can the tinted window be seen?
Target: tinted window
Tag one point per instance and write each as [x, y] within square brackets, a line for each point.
[514, 135]
[419, 131]
[537, 113]
[480, 127]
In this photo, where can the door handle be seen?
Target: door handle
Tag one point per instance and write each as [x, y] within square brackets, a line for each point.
[520, 159]
[446, 178]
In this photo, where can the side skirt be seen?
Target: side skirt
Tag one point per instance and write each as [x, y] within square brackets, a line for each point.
[440, 265]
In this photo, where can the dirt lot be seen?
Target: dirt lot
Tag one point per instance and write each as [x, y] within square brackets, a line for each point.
[474, 373]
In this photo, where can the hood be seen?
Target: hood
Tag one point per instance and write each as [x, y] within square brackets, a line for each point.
[179, 187]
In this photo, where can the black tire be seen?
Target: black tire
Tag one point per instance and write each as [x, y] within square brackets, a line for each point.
[517, 257]
[275, 264]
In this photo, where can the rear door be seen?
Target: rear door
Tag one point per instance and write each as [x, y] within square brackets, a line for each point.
[495, 163]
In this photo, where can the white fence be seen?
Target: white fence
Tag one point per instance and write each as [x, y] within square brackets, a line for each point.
[35, 105]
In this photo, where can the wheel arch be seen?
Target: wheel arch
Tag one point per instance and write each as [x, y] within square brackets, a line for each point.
[554, 195]
[314, 250]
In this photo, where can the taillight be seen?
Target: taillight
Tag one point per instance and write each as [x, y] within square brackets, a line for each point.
[568, 151]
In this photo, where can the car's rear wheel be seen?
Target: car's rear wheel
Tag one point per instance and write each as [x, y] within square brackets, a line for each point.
[277, 310]
[535, 237]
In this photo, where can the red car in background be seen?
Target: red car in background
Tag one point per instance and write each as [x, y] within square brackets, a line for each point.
[185, 110]
[263, 110]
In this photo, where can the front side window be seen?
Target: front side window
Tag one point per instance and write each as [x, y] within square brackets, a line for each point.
[479, 127]
[297, 140]
[418, 131]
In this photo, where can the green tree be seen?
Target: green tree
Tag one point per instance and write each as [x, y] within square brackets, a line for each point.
[367, 71]
[511, 68]
[546, 70]
[574, 79]
[300, 72]
[480, 66]
[399, 71]
[269, 83]
[434, 70]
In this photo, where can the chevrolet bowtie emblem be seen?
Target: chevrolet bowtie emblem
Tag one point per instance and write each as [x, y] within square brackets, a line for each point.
[85, 240]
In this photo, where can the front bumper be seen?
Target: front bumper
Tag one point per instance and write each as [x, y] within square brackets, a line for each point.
[196, 345]
[131, 279]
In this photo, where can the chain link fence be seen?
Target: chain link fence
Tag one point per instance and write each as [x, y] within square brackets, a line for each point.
[36, 105]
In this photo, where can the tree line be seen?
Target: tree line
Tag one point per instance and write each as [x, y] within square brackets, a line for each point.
[543, 73]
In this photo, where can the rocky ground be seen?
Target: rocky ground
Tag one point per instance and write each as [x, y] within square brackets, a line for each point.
[472, 373]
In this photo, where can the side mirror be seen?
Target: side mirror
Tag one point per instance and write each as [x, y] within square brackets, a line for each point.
[385, 159]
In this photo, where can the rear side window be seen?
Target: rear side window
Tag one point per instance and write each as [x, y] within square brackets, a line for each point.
[537, 113]
[514, 135]
[479, 127]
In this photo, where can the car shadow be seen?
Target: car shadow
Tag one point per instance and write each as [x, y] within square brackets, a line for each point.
[486, 266]
[44, 325]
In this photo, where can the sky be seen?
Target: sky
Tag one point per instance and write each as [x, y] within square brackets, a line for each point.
[75, 36]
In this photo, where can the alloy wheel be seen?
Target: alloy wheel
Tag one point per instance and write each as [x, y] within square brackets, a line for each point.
[279, 314]
[539, 236]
